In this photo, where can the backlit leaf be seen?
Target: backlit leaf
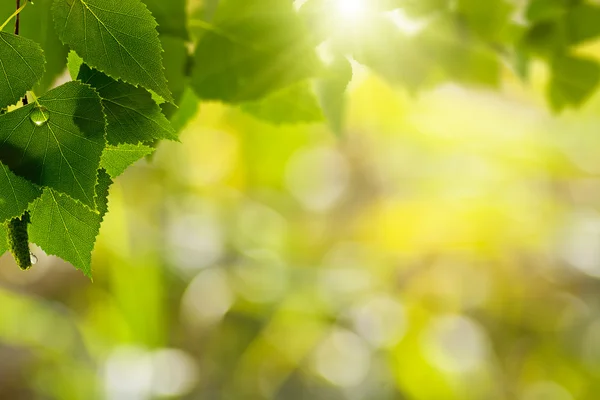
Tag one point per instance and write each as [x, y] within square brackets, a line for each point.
[131, 114]
[37, 25]
[573, 80]
[116, 159]
[65, 228]
[21, 67]
[62, 153]
[252, 47]
[291, 105]
[15, 194]
[117, 37]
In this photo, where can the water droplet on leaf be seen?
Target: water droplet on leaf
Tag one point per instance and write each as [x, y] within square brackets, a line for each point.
[39, 116]
[33, 258]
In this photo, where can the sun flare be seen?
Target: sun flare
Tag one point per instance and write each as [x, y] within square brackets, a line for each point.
[351, 10]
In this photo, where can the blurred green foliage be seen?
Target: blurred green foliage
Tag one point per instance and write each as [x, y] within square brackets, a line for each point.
[444, 245]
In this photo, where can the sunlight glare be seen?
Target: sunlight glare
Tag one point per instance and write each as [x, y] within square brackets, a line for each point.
[351, 10]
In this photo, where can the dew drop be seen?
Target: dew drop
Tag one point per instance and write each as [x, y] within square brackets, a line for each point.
[33, 258]
[39, 116]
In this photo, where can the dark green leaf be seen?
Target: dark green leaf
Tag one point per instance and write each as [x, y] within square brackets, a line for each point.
[117, 37]
[15, 194]
[131, 114]
[37, 25]
[62, 153]
[65, 228]
[21, 67]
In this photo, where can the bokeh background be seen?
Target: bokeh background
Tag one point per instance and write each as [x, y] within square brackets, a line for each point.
[446, 245]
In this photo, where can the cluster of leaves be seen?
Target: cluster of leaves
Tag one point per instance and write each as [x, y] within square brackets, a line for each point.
[139, 68]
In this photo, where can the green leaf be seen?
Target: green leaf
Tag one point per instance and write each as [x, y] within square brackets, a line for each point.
[291, 105]
[188, 108]
[486, 18]
[583, 23]
[253, 47]
[37, 25]
[170, 16]
[460, 59]
[131, 114]
[177, 61]
[546, 38]
[15, 194]
[21, 67]
[3, 239]
[422, 8]
[116, 159]
[62, 153]
[540, 10]
[117, 37]
[573, 80]
[74, 63]
[403, 60]
[331, 89]
[65, 228]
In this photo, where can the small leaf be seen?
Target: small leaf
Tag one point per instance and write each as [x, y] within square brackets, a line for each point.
[61, 151]
[117, 37]
[252, 48]
[573, 80]
[294, 104]
[188, 108]
[15, 194]
[74, 63]
[131, 114]
[22, 66]
[65, 228]
[116, 159]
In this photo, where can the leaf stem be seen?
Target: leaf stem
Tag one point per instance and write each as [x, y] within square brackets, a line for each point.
[15, 14]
